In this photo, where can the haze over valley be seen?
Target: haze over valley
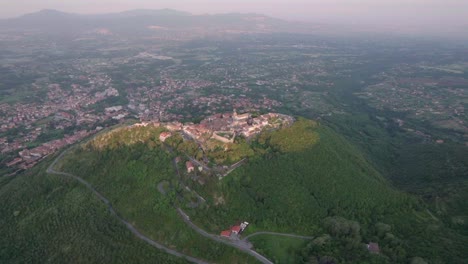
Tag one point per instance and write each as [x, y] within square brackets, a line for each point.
[249, 132]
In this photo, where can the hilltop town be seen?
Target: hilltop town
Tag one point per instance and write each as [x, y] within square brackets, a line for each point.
[225, 127]
[218, 143]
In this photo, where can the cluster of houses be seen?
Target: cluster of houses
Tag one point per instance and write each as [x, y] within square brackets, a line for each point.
[235, 230]
[230, 124]
[30, 157]
[224, 127]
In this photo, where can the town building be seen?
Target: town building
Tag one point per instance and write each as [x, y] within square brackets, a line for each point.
[164, 135]
[241, 117]
[190, 167]
[14, 162]
[174, 126]
[226, 233]
[243, 226]
[236, 229]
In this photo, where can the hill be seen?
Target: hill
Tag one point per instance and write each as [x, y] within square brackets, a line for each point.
[302, 180]
[327, 190]
[144, 22]
[53, 219]
[133, 176]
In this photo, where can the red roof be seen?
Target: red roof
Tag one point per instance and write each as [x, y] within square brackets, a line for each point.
[226, 233]
[236, 229]
[189, 164]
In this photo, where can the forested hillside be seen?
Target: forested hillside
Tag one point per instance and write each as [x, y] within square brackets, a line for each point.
[328, 190]
[52, 219]
[129, 176]
[304, 179]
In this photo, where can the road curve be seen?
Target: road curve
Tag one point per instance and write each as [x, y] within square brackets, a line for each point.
[276, 234]
[148, 240]
[242, 245]
[239, 244]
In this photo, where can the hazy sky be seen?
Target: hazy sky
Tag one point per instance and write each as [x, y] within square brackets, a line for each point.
[387, 12]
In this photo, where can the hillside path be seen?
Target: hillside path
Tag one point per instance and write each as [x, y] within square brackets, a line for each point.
[129, 226]
[239, 244]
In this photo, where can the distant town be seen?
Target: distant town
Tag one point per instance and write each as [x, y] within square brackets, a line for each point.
[59, 94]
[223, 127]
[75, 107]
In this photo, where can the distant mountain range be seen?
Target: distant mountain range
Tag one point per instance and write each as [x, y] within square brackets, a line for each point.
[142, 20]
[148, 23]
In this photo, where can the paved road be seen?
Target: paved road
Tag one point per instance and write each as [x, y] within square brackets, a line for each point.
[276, 234]
[200, 199]
[204, 166]
[244, 246]
[233, 167]
[11, 174]
[148, 240]
[161, 188]
[239, 244]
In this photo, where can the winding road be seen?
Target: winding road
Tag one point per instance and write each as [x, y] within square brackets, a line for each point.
[241, 244]
[130, 227]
